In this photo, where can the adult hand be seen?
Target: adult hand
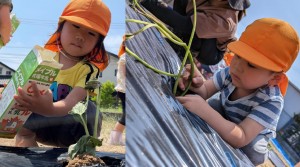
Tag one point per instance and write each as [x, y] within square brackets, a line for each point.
[197, 79]
[40, 103]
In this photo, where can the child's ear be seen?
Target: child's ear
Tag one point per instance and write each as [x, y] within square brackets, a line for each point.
[276, 79]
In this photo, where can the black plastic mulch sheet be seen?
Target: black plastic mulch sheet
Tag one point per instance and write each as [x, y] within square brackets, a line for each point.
[48, 157]
[159, 131]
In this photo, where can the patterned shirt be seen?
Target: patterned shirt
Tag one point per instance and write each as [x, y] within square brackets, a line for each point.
[263, 106]
[68, 79]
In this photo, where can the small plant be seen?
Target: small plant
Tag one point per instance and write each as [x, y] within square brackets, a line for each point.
[87, 143]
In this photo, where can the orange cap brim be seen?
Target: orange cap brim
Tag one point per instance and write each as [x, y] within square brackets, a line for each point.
[254, 57]
[100, 28]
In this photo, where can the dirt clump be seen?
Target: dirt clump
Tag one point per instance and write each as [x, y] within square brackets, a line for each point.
[86, 160]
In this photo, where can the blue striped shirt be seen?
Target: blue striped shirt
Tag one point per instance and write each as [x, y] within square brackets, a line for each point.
[263, 106]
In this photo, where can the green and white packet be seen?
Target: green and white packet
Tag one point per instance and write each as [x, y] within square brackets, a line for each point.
[38, 66]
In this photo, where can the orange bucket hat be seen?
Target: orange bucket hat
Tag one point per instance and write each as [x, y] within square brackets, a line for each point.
[269, 43]
[92, 14]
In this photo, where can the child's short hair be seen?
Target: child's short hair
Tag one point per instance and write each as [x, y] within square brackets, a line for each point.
[269, 43]
[92, 14]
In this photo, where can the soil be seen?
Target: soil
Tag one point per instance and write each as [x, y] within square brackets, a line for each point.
[85, 160]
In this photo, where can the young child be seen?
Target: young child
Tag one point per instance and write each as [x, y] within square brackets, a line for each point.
[215, 27]
[251, 89]
[116, 134]
[78, 42]
[5, 23]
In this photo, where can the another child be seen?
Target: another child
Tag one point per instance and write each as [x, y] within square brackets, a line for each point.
[215, 27]
[5, 23]
[78, 42]
[251, 90]
[116, 134]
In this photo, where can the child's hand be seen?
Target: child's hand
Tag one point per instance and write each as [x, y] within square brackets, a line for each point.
[1, 90]
[38, 103]
[192, 102]
[197, 80]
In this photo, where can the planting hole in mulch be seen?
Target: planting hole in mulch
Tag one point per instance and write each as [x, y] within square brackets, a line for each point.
[91, 161]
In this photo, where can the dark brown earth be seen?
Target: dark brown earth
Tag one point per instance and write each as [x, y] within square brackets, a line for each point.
[85, 160]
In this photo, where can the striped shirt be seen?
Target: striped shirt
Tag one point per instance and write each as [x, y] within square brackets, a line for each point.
[263, 106]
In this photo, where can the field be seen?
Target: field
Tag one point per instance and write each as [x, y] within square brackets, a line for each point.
[107, 125]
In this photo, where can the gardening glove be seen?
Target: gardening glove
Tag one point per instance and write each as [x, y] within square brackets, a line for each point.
[116, 138]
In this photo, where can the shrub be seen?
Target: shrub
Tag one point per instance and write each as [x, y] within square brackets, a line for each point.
[107, 100]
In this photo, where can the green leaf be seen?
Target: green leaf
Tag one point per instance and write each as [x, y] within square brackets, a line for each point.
[79, 108]
[79, 114]
[85, 145]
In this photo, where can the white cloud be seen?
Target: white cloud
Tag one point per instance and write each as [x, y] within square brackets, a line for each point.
[112, 43]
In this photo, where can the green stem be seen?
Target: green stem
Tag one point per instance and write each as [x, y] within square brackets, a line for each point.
[187, 53]
[84, 120]
[172, 37]
[147, 65]
[155, 20]
[85, 127]
[190, 78]
[97, 113]
[162, 30]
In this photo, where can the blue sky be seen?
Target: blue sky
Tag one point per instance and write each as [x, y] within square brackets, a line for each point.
[39, 20]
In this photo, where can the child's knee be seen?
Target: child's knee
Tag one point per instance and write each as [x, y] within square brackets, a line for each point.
[25, 132]
[257, 158]
[25, 138]
[257, 150]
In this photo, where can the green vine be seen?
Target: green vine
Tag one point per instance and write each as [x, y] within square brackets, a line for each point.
[168, 34]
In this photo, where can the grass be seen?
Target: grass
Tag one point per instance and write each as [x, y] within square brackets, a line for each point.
[112, 110]
[108, 123]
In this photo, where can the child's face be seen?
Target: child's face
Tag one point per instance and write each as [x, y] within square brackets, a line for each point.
[77, 40]
[248, 76]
